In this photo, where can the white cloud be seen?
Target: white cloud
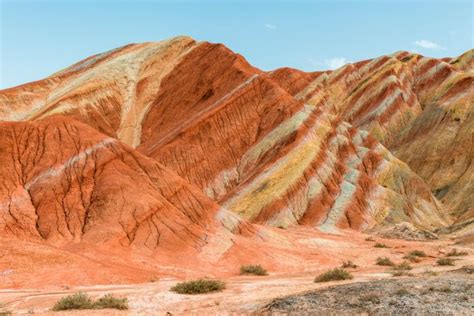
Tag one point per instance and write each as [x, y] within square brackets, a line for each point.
[336, 62]
[427, 44]
[270, 26]
[332, 63]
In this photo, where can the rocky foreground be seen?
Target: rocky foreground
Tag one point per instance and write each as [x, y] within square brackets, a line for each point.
[449, 293]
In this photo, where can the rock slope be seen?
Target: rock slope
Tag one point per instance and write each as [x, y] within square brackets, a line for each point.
[63, 181]
[419, 108]
[164, 144]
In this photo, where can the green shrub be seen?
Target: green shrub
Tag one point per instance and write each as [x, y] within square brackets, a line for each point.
[456, 253]
[83, 301]
[348, 264]
[384, 262]
[417, 253]
[445, 262]
[413, 259]
[74, 301]
[110, 301]
[253, 269]
[198, 286]
[336, 274]
[380, 245]
[404, 266]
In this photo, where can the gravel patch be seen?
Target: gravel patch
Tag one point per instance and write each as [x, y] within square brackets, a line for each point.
[448, 294]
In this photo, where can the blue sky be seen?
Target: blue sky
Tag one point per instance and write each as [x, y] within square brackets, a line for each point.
[38, 38]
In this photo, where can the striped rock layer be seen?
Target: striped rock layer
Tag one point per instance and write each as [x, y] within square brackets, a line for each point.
[62, 181]
[174, 142]
[419, 108]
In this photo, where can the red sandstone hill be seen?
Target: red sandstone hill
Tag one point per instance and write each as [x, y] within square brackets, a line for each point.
[63, 181]
[164, 146]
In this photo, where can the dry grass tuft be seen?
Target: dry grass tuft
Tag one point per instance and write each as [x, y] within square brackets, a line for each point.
[253, 269]
[348, 265]
[456, 253]
[336, 274]
[198, 286]
[445, 262]
[384, 261]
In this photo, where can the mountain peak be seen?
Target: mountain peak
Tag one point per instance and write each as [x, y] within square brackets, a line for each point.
[182, 146]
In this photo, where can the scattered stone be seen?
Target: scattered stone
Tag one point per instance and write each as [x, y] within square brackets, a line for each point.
[449, 294]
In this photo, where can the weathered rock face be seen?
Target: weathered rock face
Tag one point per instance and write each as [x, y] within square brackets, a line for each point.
[63, 181]
[420, 108]
[110, 92]
[176, 133]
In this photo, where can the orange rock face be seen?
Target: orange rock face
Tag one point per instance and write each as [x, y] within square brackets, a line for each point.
[65, 182]
[183, 147]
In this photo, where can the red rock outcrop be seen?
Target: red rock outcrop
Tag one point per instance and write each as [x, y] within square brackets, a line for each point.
[420, 108]
[62, 181]
[202, 132]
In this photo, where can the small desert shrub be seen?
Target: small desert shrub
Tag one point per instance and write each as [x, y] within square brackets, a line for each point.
[399, 273]
[411, 258]
[348, 264]
[83, 301]
[110, 301]
[402, 292]
[417, 253]
[198, 286]
[253, 269]
[336, 274]
[380, 245]
[445, 262]
[456, 253]
[384, 262]
[369, 239]
[370, 297]
[404, 266]
[430, 273]
[74, 301]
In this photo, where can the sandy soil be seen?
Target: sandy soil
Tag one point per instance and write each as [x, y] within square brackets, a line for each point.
[244, 294]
